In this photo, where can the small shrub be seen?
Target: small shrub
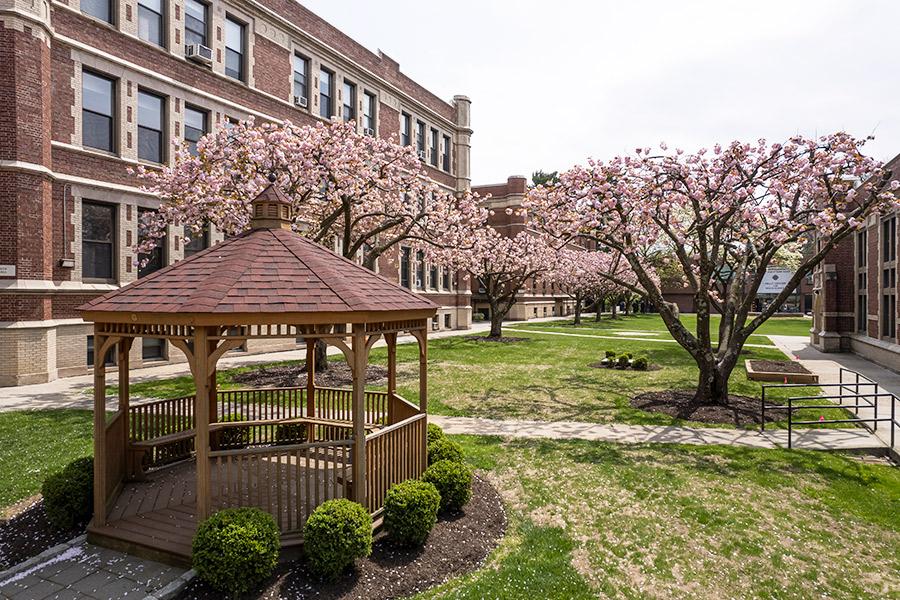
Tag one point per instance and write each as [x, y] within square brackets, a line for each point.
[640, 363]
[410, 511]
[69, 494]
[233, 437]
[290, 433]
[444, 449]
[623, 361]
[434, 433]
[236, 549]
[610, 354]
[453, 481]
[336, 534]
[628, 354]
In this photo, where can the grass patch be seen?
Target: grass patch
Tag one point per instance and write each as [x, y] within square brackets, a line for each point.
[37, 443]
[684, 521]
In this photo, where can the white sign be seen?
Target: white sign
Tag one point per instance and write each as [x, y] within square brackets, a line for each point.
[7, 270]
[774, 280]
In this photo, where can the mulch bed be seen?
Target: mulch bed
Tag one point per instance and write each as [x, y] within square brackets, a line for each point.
[338, 374]
[500, 340]
[779, 366]
[28, 532]
[740, 411]
[457, 545]
[602, 365]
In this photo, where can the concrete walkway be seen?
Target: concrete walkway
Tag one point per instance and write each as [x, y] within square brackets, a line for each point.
[808, 439]
[827, 366]
[80, 571]
[70, 392]
[664, 340]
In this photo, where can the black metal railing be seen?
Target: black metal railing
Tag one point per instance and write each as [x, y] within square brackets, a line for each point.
[853, 389]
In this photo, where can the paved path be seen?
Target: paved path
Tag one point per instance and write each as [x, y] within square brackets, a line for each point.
[668, 340]
[827, 366]
[809, 439]
[80, 571]
[70, 392]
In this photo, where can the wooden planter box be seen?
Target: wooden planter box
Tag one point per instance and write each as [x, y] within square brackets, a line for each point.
[755, 374]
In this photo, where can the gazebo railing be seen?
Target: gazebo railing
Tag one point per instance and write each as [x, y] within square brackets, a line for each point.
[394, 454]
[288, 482]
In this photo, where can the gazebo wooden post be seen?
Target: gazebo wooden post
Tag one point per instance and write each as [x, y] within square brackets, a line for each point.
[201, 420]
[124, 391]
[310, 385]
[213, 387]
[422, 337]
[391, 341]
[99, 429]
[359, 356]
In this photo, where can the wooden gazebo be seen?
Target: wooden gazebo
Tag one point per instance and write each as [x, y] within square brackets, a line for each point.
[162, 466]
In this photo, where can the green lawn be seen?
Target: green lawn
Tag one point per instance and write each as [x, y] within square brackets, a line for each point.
[798, 326]
[670, 521]
[36, 444]
[544, 377]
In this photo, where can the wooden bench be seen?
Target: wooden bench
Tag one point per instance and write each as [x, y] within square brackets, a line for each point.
[138, 450]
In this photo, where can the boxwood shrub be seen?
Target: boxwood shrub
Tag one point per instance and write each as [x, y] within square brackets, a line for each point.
[236, 549]
[336, 534]
[453, 481]
[610, 354]
[410, 511]
[640, 363]
[290, 433]
[434, 433]
[623, 361]
[69, 494]
[444, 449]
[232, 437]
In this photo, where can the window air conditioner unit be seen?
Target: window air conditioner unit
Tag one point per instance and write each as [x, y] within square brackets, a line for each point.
[198, 53]
[421, 154]
[435, 326]
[369, 131]
[301, 101]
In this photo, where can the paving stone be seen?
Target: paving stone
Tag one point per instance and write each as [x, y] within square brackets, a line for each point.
[94, 581]
[38, 591]
[67, 594]
[120, 588]
[69, 574]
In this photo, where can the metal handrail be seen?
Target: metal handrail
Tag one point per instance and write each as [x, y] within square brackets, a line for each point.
[859, 380]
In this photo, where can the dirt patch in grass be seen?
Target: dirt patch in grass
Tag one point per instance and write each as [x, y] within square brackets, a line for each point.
[740, 410]
[458, 544]
[603, 365]
[779, 366]
[338, 374]
[25, 531]
[497, 339]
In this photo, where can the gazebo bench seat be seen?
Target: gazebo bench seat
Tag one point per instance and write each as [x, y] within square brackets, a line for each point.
[138, 450]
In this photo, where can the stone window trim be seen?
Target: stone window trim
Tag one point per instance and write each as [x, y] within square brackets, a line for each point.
[860, 281]
[437, 155]
[165, 123]
[116, 120]
[887, 277]
[114, 243]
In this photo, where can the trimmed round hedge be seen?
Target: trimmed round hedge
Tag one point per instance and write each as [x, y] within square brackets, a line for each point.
[232, 437]
[290, 433]
[444, 449]
[336, 534]
[236, 549]
[453, 481]
[434, 433]
[410, 511]
[69, 494]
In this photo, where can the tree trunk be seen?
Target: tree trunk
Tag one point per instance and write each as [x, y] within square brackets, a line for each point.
[599, 305]
[496, 320]
[712, 386]
[321, 357]
[615, 307]
[577, 320]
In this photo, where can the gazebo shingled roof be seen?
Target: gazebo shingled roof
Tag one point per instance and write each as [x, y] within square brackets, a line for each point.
[261, 271]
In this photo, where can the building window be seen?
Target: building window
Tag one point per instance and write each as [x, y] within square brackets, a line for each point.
[153, 348]
[420, 270]
[888, 315]
[151, 22]
[98, 238]
[405, 126]
[349, 97]
[301, 72]
[196, 125]
[447, 323]
[235, 48]
[405, 257]
[446, 154]
[99, 9]
[196, 19]
[110, 354]
[153, 260]
[889, 239]
[434, 147]
[195, 241]
[445, 277]
[151, 124]
[98, 111]
[862, 246]
[326, 93]
[369, 113]
[433, 277]
[420, 138]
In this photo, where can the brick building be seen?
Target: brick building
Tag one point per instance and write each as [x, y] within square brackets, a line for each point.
[89, 88]
[539, 299]
[855, 304]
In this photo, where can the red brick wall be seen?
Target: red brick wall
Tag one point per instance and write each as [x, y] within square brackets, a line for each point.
[272, 72]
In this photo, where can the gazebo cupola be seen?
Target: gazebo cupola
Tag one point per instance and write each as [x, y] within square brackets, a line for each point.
[162, 466]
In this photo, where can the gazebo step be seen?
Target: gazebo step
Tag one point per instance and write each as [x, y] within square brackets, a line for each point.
[151, 547]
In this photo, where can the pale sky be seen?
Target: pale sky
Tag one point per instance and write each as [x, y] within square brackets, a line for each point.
[555, 82]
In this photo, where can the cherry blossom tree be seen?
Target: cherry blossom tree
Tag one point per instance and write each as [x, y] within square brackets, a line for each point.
[724, 216]
[502, 265]
[582, 274]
